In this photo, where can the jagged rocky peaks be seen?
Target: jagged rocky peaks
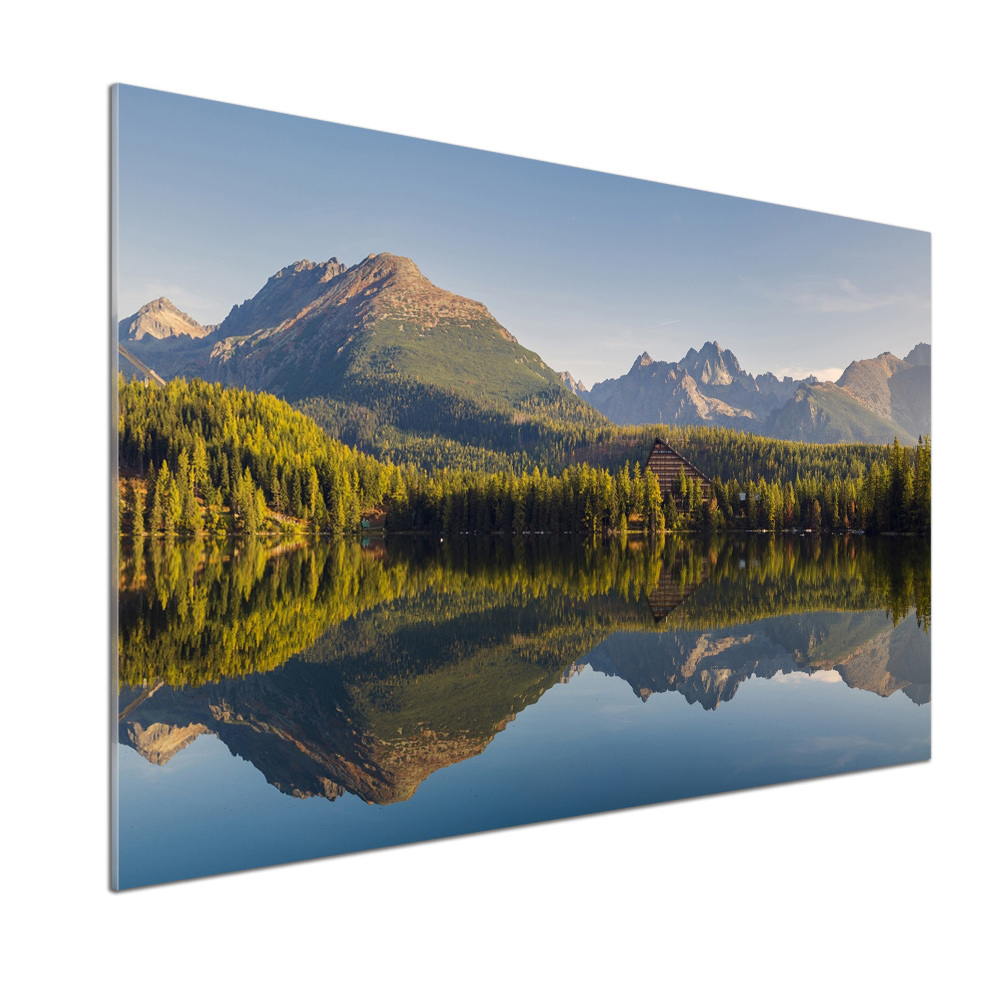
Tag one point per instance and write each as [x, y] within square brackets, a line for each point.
[381, 335]
[573, 384]
[708, 667]
[382, 286]
[874, 400]
[896, 391]
[159, 320]
[868, 381]
[712, 365]
[705, 386]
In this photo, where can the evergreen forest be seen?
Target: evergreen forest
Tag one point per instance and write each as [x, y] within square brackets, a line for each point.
[197, 459]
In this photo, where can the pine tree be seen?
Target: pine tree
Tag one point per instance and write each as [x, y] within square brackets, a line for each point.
[225, 479]
[245, 508]
[669, 512]
[138, 519]
[274, 487]
[189, 521]
[312, 492]
[321, 518]
[295, 494]
[815, 516]
[172, 508]
[922, 487]
[159, 513]
[150, 483]
[260, 510]
[335, 506]
[199, 466]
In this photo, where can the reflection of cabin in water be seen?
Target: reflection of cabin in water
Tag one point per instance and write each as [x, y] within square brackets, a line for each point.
[667, 466]
[373, 520]
[671, 591]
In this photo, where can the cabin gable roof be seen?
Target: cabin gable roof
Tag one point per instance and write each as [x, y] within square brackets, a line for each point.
[669, 466]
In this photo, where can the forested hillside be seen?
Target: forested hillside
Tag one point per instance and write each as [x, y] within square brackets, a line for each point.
[199, 458]
[891, 495]
[443, 431]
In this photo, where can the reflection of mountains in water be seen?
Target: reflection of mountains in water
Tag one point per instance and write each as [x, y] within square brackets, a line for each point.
[380, 702]
[707, 668]
[423, 661]
[303, 743]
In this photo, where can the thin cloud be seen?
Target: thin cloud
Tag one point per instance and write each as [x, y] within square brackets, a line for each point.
[838, 295]
[819, 677]
[843, 297]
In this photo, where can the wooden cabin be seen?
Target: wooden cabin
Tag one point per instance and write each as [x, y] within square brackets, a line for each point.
[667, 466]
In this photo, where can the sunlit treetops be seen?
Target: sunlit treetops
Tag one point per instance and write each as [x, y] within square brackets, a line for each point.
[199, 458]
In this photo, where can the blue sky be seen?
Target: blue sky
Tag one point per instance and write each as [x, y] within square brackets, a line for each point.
[588, 269]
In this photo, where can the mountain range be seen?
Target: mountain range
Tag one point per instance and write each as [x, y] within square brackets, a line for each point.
[708, 667]
[381, 340]
[375, 710]
[874, 400]
[330, 330]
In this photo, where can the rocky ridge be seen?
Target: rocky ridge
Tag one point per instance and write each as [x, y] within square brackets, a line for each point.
[346, 332]
[707, 386]
[161, 320]
[326, 329]
[874, 400]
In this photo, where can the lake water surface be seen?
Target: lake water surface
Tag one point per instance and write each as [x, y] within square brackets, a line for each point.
[283, 703]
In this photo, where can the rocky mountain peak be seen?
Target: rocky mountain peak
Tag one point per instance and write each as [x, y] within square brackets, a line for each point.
[315, 327]
[713, 365]
[383, 265]
[920, 356]
[573, 384]
[159, 320]
[706, 386]
[324, 271]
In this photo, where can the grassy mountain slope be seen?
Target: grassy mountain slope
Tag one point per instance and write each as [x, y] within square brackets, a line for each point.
[868, 382]
[327, 330]
[383, 358]
[827, 413]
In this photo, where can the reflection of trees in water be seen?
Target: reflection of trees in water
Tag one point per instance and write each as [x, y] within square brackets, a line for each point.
[194, 612]
[191, 615]
[754, 577]
[399, 659]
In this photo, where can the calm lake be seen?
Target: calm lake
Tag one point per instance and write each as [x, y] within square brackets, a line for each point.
[278, 703]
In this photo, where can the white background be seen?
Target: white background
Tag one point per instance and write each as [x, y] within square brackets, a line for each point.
[882, 883]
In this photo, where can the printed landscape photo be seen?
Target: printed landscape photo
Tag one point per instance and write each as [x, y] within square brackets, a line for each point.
[458, 491]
